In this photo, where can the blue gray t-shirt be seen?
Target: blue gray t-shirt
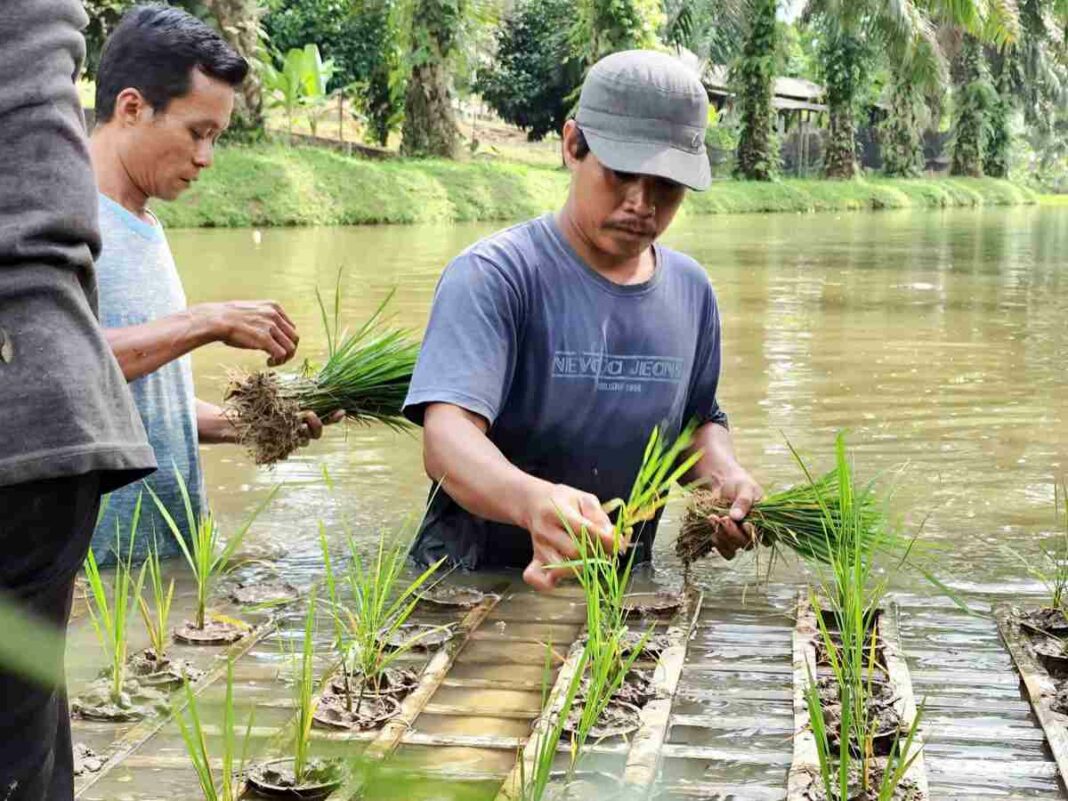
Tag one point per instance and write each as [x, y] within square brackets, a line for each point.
[571, 370]
[138, 283]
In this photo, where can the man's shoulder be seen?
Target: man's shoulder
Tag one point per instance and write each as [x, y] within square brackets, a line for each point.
[685, 269]
[512, 246]
[510, 254]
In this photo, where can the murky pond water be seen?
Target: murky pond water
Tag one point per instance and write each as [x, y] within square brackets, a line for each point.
[938, 339]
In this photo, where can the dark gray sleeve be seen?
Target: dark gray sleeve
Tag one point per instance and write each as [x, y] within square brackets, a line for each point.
[48, 203]
[469, 351]
[701, 404]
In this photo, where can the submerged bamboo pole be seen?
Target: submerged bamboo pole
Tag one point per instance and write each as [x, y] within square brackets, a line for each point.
[805, 768]
[1038, 685]
[643, 759]
[512, 788]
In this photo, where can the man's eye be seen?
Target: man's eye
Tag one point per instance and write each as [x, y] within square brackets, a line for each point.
[624, 177]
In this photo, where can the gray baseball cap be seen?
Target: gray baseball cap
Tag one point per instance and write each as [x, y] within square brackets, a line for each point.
[645, 112]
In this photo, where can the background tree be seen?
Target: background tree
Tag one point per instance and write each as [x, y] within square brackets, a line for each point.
[534, 73]
[602, 27]
[753, 78]
[919, 76]
[239, 23]
[429, 125]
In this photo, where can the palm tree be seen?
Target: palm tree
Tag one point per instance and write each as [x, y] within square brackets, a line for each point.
[429, 125]
[239, 24]
[754, 78]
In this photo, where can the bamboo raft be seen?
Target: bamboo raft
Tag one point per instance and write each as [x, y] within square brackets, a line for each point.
[726, 732]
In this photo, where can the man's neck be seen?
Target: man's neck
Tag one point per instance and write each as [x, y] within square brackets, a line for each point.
[617, 269]
[112, 178]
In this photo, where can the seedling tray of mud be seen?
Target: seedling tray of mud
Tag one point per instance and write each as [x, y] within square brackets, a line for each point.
[803, 782]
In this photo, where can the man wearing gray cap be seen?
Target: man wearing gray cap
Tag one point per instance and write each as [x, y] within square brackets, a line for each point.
[554, 347]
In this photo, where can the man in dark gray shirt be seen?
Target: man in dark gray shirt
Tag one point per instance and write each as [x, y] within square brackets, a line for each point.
[68, 428]
[555, 347]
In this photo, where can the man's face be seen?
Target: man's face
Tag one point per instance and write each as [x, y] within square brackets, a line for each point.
[620, 214]
[164, 152]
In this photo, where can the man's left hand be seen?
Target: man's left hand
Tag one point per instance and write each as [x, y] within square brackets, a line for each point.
[732, 533]
[312, 427]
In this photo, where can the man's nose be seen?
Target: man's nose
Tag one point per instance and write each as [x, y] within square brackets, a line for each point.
[640, 196]
[204, 155]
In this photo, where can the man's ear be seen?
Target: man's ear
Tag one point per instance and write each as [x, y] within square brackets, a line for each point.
[568, 144]
[131, 107]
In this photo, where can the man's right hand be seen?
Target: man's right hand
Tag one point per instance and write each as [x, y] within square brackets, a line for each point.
[549, 506]
[251, 325]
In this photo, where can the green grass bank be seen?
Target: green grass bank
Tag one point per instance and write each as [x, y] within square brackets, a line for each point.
[273, 185]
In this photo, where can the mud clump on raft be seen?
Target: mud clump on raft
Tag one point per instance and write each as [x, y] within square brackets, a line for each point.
[278, 779]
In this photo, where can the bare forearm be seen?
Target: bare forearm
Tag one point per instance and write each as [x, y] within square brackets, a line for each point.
[718, 461]
[213, 426]
[476, 474]
[143, 349]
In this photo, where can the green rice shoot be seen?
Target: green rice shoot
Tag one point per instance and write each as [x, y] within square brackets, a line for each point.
[156, 617]
[207, 553]
[228, 786]
[110, 618]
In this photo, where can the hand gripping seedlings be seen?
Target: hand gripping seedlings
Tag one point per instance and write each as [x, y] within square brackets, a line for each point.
[366, 375]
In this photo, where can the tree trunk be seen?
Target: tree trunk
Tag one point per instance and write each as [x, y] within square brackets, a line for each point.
[971, 102]
[758, 158]
[999, 141]
[902, 132]
[843, 55]
[239, 23]
[429, 126]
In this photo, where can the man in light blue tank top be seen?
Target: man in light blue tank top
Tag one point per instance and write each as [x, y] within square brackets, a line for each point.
[164, 94]
[555, 347]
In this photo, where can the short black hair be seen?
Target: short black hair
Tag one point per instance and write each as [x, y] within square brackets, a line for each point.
[154, 49]
[582, 147]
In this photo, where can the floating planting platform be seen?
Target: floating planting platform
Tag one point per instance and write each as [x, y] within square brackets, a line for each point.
[803, 780]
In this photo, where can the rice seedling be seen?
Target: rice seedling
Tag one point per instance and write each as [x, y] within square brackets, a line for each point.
[604, 578]
[853, 591]
[228, 786]
[793, 518]
[366, 375]
[378, 609]
[208, 555]
[305, 695]
[548, 731]
[110, 618]
[1052, 569]
[156, 617]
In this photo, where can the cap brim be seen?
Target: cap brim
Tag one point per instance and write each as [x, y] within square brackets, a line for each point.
[644, 158]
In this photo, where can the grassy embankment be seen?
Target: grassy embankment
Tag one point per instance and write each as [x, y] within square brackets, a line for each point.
[272, 185]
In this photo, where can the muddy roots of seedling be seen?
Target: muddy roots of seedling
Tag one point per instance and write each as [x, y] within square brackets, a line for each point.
[267, 417]
[700, 525]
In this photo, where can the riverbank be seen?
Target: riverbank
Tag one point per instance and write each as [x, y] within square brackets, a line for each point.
[273, 185]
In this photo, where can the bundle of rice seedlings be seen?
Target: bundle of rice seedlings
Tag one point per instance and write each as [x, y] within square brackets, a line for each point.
[805, 519]
[366, 375]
